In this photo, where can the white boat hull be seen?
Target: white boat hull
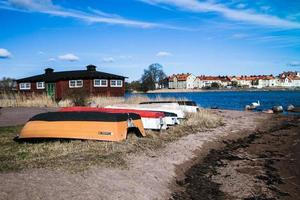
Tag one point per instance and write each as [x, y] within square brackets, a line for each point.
[170, 120]
[154, 123]
[184, 108]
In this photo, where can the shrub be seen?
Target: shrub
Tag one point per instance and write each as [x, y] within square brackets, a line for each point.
[78, 97]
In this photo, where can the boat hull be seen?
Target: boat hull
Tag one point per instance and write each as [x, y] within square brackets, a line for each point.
[170, 120]
[71, 128]
[185, 106]
[158, 108]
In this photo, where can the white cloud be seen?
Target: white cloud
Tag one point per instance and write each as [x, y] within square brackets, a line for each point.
[113, 59]
[229, 13]
[4, 53]
[163, 54]
[95, 16]
[51, 59]
[108, 60]
[68, 57]
[31, 4]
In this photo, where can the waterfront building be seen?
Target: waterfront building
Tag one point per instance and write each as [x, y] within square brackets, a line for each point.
[62, 84]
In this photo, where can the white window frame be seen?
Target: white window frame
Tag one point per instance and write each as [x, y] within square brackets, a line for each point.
[42, 87]
[100, 85]
[116, 85]
[76, 85]
[25, 86]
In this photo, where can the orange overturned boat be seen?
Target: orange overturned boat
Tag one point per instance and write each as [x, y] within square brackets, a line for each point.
[82, 125]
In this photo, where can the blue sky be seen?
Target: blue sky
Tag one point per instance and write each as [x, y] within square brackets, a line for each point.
[213, 37]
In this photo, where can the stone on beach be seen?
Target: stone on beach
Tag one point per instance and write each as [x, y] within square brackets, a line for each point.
[290, 107]
[277, 109]
[269, 111]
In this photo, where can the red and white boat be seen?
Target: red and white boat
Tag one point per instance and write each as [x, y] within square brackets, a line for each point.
[151, 120]
[171, 120]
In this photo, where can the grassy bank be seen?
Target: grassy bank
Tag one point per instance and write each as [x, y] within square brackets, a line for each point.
[39, 100]
[80, 155]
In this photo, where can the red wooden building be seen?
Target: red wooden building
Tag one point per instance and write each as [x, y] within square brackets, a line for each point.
[61, 84]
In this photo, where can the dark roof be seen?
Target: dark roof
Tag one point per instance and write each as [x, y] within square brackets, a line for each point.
[68, 75]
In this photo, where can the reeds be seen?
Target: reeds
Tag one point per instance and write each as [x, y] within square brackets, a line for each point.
[42, 100]
[134, 99]
[28, 100]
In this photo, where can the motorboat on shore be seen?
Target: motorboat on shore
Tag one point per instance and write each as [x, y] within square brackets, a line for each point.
[82, 125]
[173, 116]
[185, 106]
[151, 120]
[153, 107]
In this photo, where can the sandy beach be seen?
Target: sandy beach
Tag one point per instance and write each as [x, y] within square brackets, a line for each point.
[263, 165]
[232, 160]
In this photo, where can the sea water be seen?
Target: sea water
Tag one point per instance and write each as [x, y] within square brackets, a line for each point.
[236, 100]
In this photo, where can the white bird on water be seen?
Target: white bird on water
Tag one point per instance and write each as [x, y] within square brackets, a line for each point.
[255, 104]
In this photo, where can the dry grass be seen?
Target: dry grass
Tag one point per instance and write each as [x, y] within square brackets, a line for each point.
[21, 100]
[42, 100]
[80, 155]
[134, 99]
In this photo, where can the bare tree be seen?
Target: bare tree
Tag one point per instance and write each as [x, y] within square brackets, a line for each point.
[153, 75]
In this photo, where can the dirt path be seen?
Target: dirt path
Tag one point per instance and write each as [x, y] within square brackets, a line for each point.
[265, 165]
[19, 116]
[150, 174]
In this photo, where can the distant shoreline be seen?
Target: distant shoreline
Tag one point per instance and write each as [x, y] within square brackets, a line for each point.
[215, 90]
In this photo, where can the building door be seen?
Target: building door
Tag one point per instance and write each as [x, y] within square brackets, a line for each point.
[50, 88]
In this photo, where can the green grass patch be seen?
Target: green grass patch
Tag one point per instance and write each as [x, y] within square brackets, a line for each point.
[77, 155]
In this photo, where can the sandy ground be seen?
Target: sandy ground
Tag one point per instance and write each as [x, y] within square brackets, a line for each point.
[264, 165]
[19, 116]
[151, 175]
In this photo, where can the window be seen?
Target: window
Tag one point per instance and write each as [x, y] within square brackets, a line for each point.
[25, 86]
[116, 83]
[75, 83]
[40, 85]
[100, 83]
